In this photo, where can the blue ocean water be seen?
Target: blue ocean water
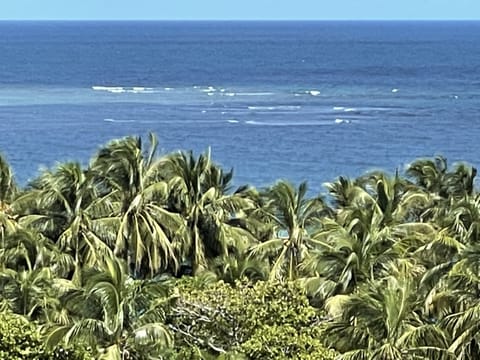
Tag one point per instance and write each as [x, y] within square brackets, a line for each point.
[295, 100]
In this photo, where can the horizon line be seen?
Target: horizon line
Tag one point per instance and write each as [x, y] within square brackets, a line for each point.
[241, 20]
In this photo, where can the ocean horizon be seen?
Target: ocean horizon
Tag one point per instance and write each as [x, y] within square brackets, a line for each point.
[308, 100]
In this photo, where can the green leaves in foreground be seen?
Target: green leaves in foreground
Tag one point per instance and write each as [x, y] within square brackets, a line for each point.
[20, 340]
[268, 320]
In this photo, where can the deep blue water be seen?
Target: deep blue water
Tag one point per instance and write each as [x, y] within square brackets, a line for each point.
[296, 100]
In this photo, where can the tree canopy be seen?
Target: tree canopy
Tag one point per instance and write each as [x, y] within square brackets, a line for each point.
[140, 255]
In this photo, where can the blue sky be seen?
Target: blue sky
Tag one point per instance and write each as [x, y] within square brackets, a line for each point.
[239, 9]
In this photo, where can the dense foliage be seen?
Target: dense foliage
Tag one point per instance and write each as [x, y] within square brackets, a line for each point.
[20, 340]
[140, 256]
[267, 320]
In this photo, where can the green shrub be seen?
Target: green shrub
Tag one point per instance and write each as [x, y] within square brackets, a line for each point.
[261, 321]
[285, 342]
[20, 340]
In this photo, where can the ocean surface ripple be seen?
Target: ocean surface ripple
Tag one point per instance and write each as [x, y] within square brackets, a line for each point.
[297, 100]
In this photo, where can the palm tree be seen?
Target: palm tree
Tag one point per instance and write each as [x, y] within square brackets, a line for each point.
[434, 177]
[377, 219]
[348, 259]
[120, 317]
[383, 320]
[131, 180]
[395, 198]
[199, 192]
[461, 217]
[463, 312]
[295, 217]
[8, 187]
[460, 182]
[345, 192]
[429, 174]
[27, 291]
[29, 250]
[8, 191]
[237, 267]
[65, 206]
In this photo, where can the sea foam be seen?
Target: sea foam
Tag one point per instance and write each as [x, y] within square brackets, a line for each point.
[123, 89]
[277, 107]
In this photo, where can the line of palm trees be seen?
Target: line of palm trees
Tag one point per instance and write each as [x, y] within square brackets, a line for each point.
[391, 261]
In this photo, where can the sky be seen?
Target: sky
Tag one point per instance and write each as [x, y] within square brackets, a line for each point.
[240, 10]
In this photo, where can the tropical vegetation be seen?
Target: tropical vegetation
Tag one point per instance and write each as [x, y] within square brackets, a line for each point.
[140, 255]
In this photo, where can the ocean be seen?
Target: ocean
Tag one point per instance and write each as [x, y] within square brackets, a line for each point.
[274, 100]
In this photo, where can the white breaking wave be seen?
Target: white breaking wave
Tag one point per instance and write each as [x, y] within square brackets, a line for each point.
[394, 90]
[141, 91]
[261, 108]
[278, 107]
[344, 109]
[123, 89]
[232, 121]
[209, 89]
[118, 121]
[313, 92]
[106, 88]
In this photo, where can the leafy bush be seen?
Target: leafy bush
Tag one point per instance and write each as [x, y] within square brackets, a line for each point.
[260, 321]
[20, 340]
[285, 342]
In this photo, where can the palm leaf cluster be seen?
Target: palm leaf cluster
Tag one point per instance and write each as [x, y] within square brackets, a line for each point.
[91, 252]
